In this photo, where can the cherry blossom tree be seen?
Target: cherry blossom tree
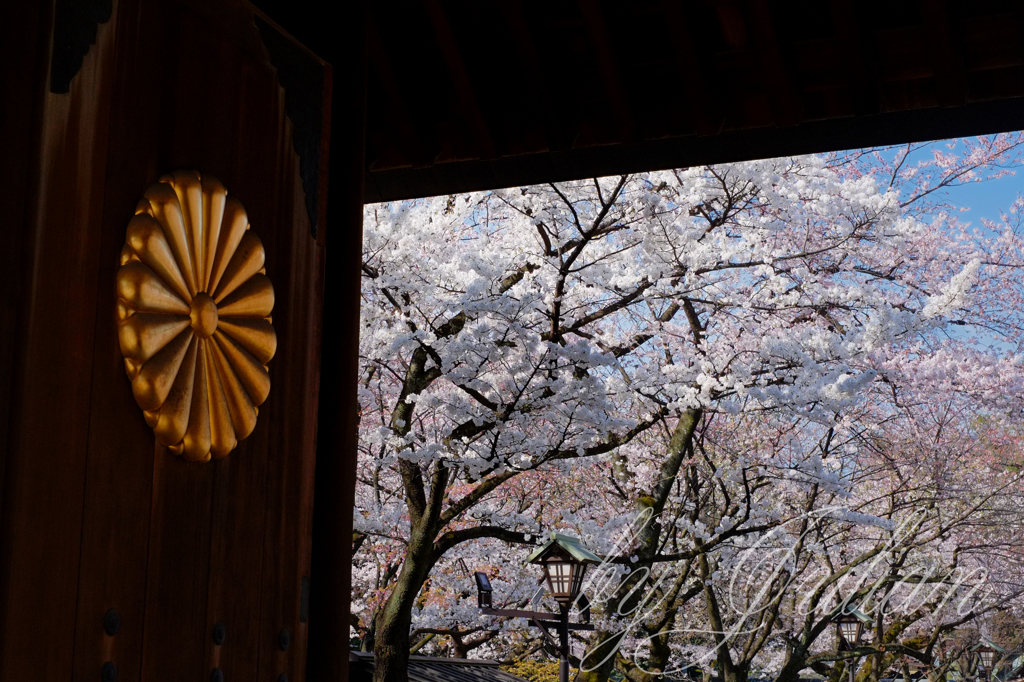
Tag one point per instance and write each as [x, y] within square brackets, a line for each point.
[553, 357]
[912, 521]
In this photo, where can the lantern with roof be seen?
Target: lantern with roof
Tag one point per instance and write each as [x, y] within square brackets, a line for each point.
[564, 562]
[988, 653]
[851, 626]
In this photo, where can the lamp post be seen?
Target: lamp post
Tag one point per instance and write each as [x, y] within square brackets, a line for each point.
[850, 625]
[564, 562]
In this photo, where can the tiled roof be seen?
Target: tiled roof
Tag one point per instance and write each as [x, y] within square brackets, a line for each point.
[431, 669]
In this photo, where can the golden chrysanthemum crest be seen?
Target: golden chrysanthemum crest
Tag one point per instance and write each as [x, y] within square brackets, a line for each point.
[194, 324]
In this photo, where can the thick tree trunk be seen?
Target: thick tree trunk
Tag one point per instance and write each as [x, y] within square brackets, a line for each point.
[602, 645]
[735, 673]
[791, 668]
[658, 661]
[391, 645]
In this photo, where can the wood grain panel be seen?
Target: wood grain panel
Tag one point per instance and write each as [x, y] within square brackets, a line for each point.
[50, 392]
[239, 511]
[174, 547]
[120, 470]
[178, 569]
[22, 81]
[289, 493]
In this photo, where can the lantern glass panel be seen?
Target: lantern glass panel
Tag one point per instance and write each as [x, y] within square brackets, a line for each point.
[850, 630]
[559, 578]
[987, 658]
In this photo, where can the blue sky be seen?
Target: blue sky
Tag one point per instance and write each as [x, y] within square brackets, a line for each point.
[988, 199]
[985, 199]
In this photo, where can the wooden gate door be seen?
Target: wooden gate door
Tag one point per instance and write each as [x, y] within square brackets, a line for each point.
[120, 559]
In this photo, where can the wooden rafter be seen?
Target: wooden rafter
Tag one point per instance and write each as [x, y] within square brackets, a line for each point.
[863, 88]
[536, 137]
[558, 87]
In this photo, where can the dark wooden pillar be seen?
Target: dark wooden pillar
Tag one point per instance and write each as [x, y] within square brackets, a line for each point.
[337, 435]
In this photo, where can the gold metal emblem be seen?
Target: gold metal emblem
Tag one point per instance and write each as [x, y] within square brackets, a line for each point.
[194, 322]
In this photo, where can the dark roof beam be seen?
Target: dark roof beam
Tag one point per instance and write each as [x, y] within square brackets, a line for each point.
[862, 80]
[810, 137]
[787, 110]
[469, 107]
[950, 78]
[538, 124]
[707, 117]
[398, 111]
[593, 19]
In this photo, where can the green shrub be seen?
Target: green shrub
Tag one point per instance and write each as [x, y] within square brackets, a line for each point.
[536, 671]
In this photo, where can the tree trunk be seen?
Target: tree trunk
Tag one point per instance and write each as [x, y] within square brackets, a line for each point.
[660, 652]
[791, 667]
[391, 645]
[604, 643]
[735, 673]
[371, 635]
